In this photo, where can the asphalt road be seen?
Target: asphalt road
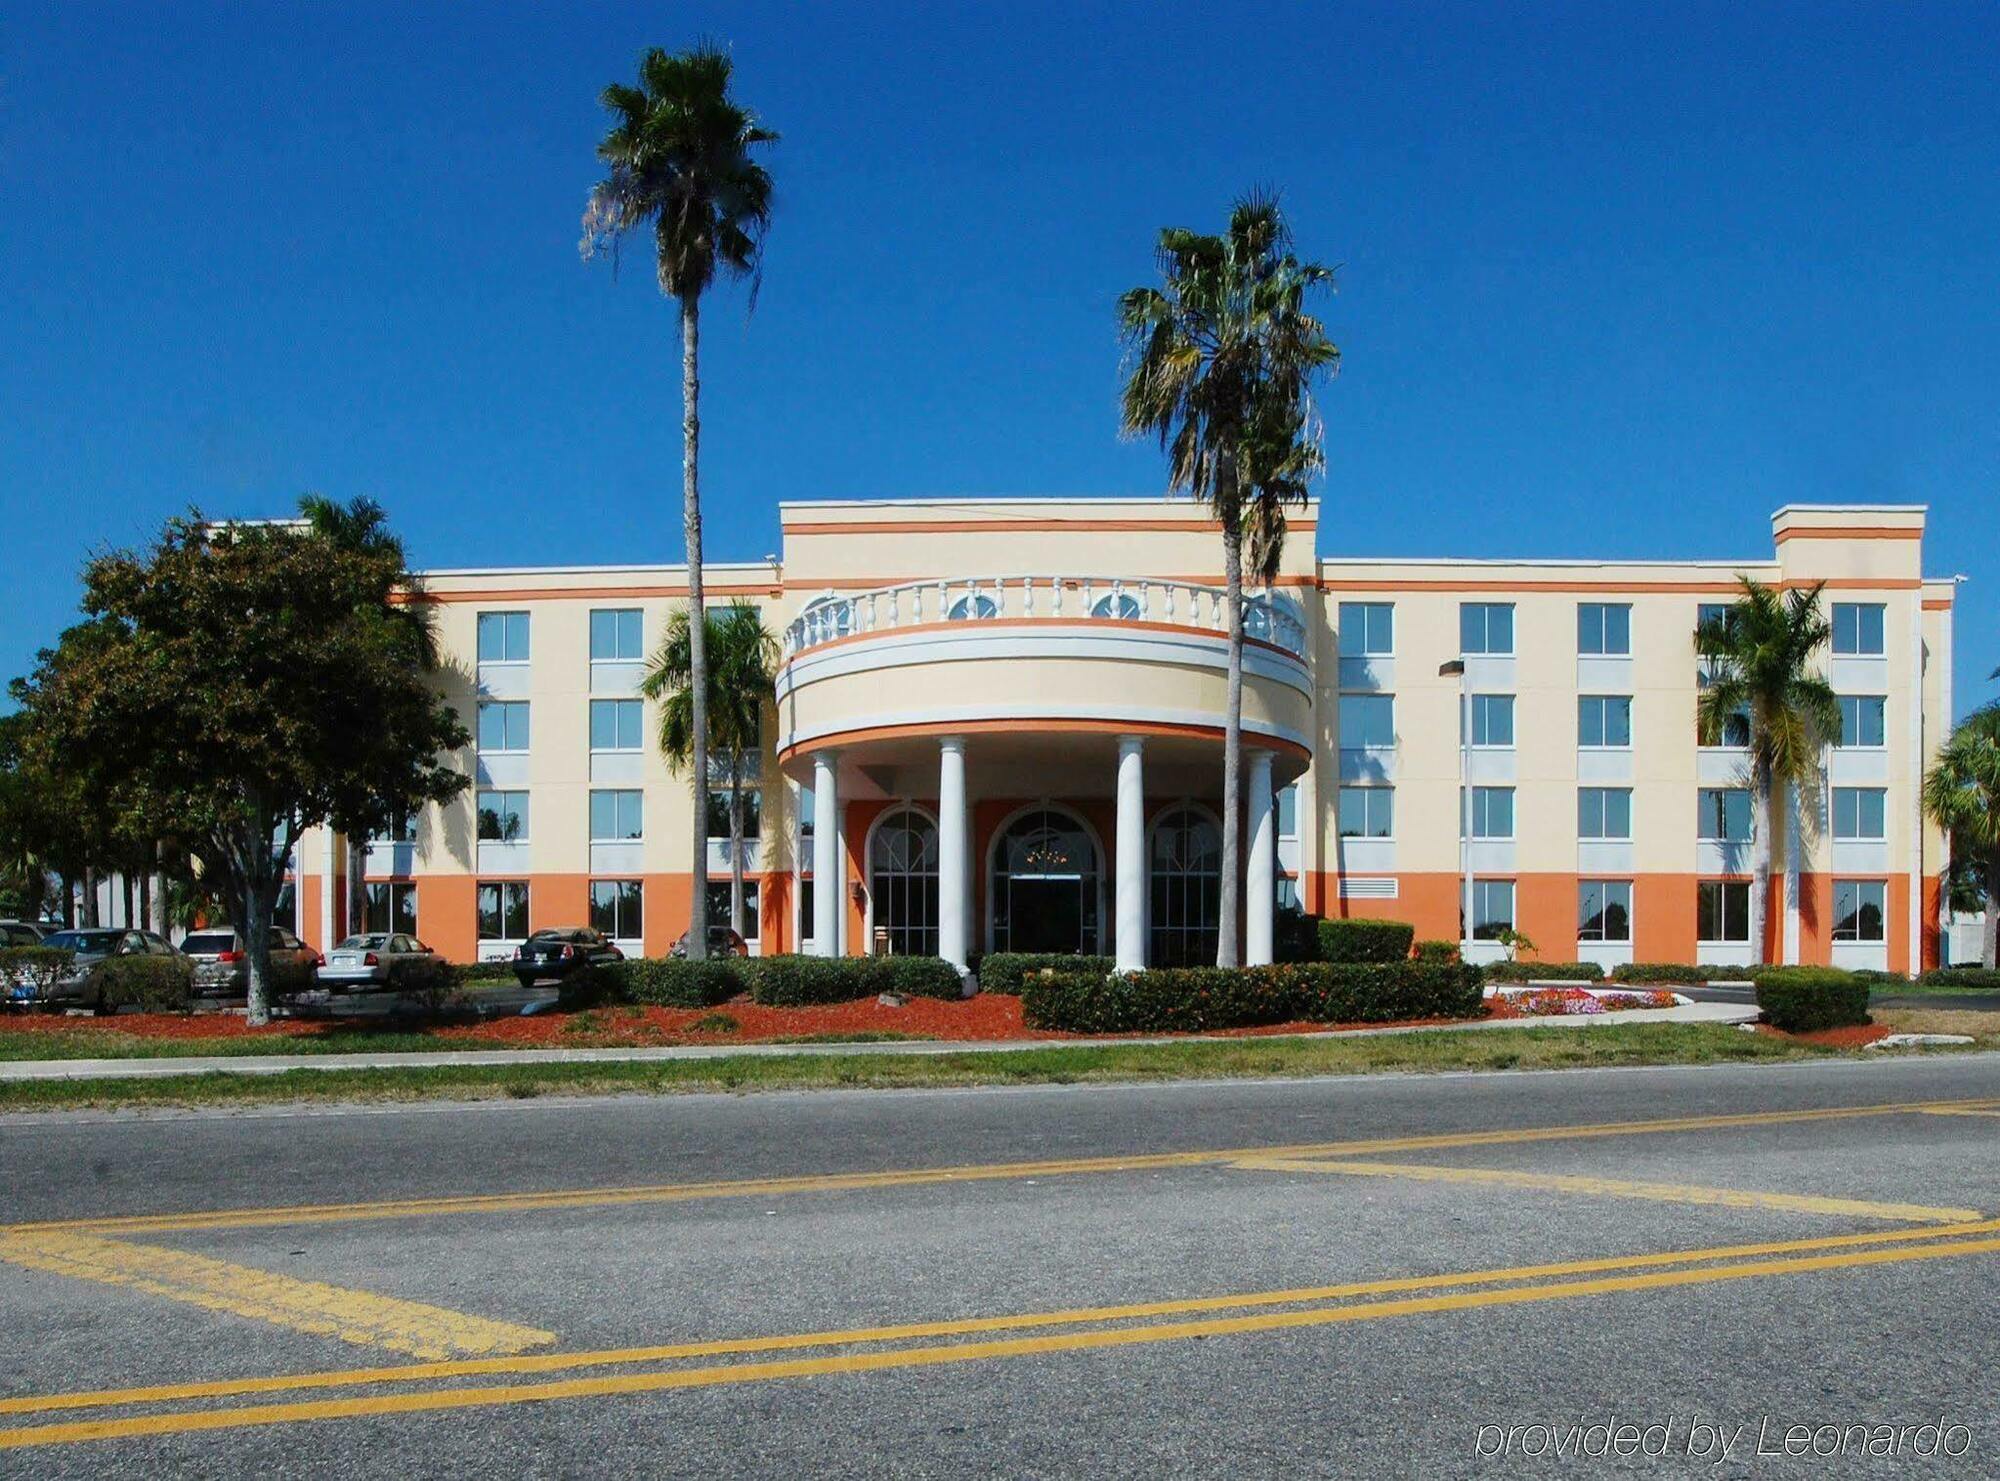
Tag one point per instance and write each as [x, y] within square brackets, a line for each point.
[1022, 1282]
[1956, 1002]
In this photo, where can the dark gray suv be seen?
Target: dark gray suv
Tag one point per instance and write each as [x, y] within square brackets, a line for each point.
[222, 966]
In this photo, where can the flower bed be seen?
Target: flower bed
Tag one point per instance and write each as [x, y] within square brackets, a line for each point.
[1556, 1002]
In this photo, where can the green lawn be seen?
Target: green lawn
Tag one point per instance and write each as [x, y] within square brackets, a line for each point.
[1501, 1049]
[109, 1044]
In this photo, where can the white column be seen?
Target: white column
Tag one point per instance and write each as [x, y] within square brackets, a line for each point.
[1129, 911]
[952, 934]
[829, 884]
[326, 888]
[1260, 887]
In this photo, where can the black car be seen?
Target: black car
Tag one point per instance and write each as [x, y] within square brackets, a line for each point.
[561, 952]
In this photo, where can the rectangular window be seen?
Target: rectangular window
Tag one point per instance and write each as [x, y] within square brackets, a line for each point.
[1367, 812]
[1486, 627]
[1493, 720]
[1710, 613]
[1735, 733]
[1367, 629]
[503, 725]
[503, 911]
[1604, 812]
[718, 906]
[1859, 907]
[614, 635]
[617, 816]
[1287, 802]
[615, 724]
[1604, 720]
[1860, 812]
[503, 817]
[1604, 629]
[1724, 814]
[617, 908]
[1857, 629]
[503, 637]
[1492, 812]
[1861, 720]
[1492, 908]
[718, 813]
[391, 906]
[1604, 910]
[1367, 720]
[1722, 910]
[402, 828]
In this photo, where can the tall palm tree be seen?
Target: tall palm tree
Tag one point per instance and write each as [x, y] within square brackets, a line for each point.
[1759, 653]
[1221, 361]
[742, 671]
[679, 156]
[1962, 795]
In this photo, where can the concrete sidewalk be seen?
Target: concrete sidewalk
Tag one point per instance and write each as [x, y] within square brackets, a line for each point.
[273, 1064]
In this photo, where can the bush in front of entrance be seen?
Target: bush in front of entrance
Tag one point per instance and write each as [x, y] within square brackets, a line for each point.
[1004, 971]
[1194, 999]
[1356, 940]
[1986, 977]
[1544, 972]
[1801, 999]
[673, 982]
[32, 972]
[794, 981]
[152, 984]
[1435, 951]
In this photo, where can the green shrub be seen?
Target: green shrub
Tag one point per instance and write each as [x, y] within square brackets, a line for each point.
[1875, 977]
[1676, 972]
[792, 981]
[1355, 940]
[152, 984]
[32, 971]
[1436, 951]
[917, 976]
[1544, 972]
[1003, 971]
[465, 974]
[1193, 999]
[1987, 977]
[673, 982]
[1801, 999]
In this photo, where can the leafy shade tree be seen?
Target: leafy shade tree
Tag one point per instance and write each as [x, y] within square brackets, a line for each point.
[249, 682]
[742, 671]
[1758, 656]
[1962, 796]
[1221, 361]
[680, 161]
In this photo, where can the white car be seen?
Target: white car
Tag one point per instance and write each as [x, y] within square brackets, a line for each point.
[381, 959]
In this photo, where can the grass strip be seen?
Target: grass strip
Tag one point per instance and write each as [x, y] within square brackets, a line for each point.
[1501, 1049]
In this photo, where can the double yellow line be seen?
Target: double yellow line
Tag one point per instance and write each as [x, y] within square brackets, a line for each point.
[871, 1349]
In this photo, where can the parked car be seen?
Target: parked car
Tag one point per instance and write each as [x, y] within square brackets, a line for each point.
[381, 959]
[21, 933]
[722, 941]
[561, 952]
[93, 948]
[222, 965]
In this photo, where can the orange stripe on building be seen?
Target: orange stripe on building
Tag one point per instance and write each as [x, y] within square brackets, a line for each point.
[1848, 532]
[1040, 524]
[1054, 725]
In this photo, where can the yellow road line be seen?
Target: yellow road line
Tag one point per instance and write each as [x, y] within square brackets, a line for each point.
[918, 1357]
[912, 1177]
[1958, 1111]
[301, 1305]
[967, 1326]
[1798, 1203]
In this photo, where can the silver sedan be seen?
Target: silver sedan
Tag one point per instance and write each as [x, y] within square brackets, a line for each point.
[381, 959]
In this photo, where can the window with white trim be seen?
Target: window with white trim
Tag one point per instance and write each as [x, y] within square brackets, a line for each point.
[1604, 721]
[503, 910]
[617, 815]
[1493, 720]
[1723, 815]
[1604, 813]
[1722, 911]
[1486, 628]
[1860, 812]
[503, 725]
[503, 637]
[971, 607]
[1366, 812]
[1367, 629]
[1119, 605]
[1860, 909]
[1368, 720]
[616, 724]
[615, 635]
[1604, 629]
[1857, 629]
[503, 816]
[718, 908]
[1492, 908]
[1862, 721]
[390, 905]
[618, 908]
[1493, 812]
[1604, 911]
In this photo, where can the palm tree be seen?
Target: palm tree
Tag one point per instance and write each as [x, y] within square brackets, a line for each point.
[1962, 795]
[1759, 652]
[1222, 356]
[679, 156]
[742, 670]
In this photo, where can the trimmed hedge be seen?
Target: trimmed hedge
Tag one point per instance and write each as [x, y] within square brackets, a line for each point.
[1435, 951]
[1004, 971]
[465, 974]
[1676, 972]
[1801, 999]
[152, 984]
[1354, 940]
[36, 968]
[1987, 977]
[1544, 972]
[1193, 999]
[673, 982]
[791, 981]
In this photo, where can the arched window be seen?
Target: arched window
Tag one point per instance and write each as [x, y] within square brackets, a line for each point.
[1187, 889]
[903, 882]
[1118, 604]
[826, 618]
[1273, 618]
[971, 606]
[1047, 885]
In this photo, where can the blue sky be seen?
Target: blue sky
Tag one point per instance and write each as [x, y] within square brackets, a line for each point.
[1615, 280]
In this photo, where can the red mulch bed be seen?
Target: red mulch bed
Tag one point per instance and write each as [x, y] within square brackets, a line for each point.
[1853, 1036]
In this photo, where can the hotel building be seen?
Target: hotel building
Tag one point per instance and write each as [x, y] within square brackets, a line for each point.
[998, 725]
